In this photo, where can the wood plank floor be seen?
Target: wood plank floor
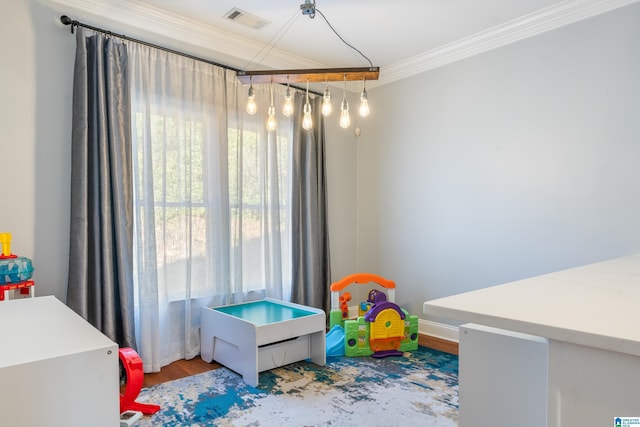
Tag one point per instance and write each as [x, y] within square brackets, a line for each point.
[185, 368]
[179, 369]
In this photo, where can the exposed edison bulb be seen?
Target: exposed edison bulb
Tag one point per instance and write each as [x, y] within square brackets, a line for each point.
[364, 104]
[307, 121]
[251, 101]
[271, 118]
[345, 120]
[271, 112]
[327, 108]
[287, 108]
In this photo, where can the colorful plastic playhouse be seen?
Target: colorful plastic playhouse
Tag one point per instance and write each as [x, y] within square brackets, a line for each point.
[381, 329]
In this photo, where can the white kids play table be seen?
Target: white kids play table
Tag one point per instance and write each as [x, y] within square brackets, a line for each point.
[256, 336]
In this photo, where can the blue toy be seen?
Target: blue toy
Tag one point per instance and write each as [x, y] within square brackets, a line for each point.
[15, 271]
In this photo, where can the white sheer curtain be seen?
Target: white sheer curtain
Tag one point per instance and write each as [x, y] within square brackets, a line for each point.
[211, 199]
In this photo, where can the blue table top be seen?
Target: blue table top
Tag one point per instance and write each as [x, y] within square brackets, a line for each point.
[264, 312]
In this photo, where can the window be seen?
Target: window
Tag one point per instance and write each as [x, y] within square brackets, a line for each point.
[183, 197]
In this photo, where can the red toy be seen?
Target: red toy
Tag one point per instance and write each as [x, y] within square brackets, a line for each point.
[135, 376]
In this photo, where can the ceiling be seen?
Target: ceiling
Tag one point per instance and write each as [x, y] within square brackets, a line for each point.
[401, 37]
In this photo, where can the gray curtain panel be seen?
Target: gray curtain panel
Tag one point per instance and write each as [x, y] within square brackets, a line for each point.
[311, 275]
[100, 285]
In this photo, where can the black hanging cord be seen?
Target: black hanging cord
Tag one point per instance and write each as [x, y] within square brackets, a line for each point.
[340, 37]
[73, 23]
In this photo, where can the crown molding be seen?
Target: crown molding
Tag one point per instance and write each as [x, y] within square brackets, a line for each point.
[213, 41]
[521, 28]
[147, 20]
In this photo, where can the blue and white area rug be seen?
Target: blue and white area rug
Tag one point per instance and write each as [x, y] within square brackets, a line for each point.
[419, 389]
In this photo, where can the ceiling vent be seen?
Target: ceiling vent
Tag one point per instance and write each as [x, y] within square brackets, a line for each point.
[246, 19]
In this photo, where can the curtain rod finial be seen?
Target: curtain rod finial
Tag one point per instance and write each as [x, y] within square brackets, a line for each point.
[68, 21]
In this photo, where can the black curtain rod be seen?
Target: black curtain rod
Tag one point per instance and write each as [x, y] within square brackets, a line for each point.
[73, 23]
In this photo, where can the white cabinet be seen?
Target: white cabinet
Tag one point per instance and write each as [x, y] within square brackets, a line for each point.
[56, 369]
[589, 317]
[503, 378]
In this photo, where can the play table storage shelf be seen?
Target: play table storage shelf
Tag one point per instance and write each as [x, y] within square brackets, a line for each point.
[256, 336]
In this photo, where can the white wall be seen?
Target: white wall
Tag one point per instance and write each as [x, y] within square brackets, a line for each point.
[341, 161]
[35, 119]
[513, 163]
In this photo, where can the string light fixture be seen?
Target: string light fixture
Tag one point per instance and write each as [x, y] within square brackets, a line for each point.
[315, 75]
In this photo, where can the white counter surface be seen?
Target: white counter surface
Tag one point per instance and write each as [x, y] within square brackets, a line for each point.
[56, 369]
[597, 305]
[41, 328]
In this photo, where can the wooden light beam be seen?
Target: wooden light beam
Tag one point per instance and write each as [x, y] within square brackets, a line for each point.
[308, 75]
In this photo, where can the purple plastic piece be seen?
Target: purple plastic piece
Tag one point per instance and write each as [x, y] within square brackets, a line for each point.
[387, 353]
[371, 315]
[375, 296]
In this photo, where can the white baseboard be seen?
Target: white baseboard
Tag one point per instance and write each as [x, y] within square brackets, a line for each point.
[438, 330]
